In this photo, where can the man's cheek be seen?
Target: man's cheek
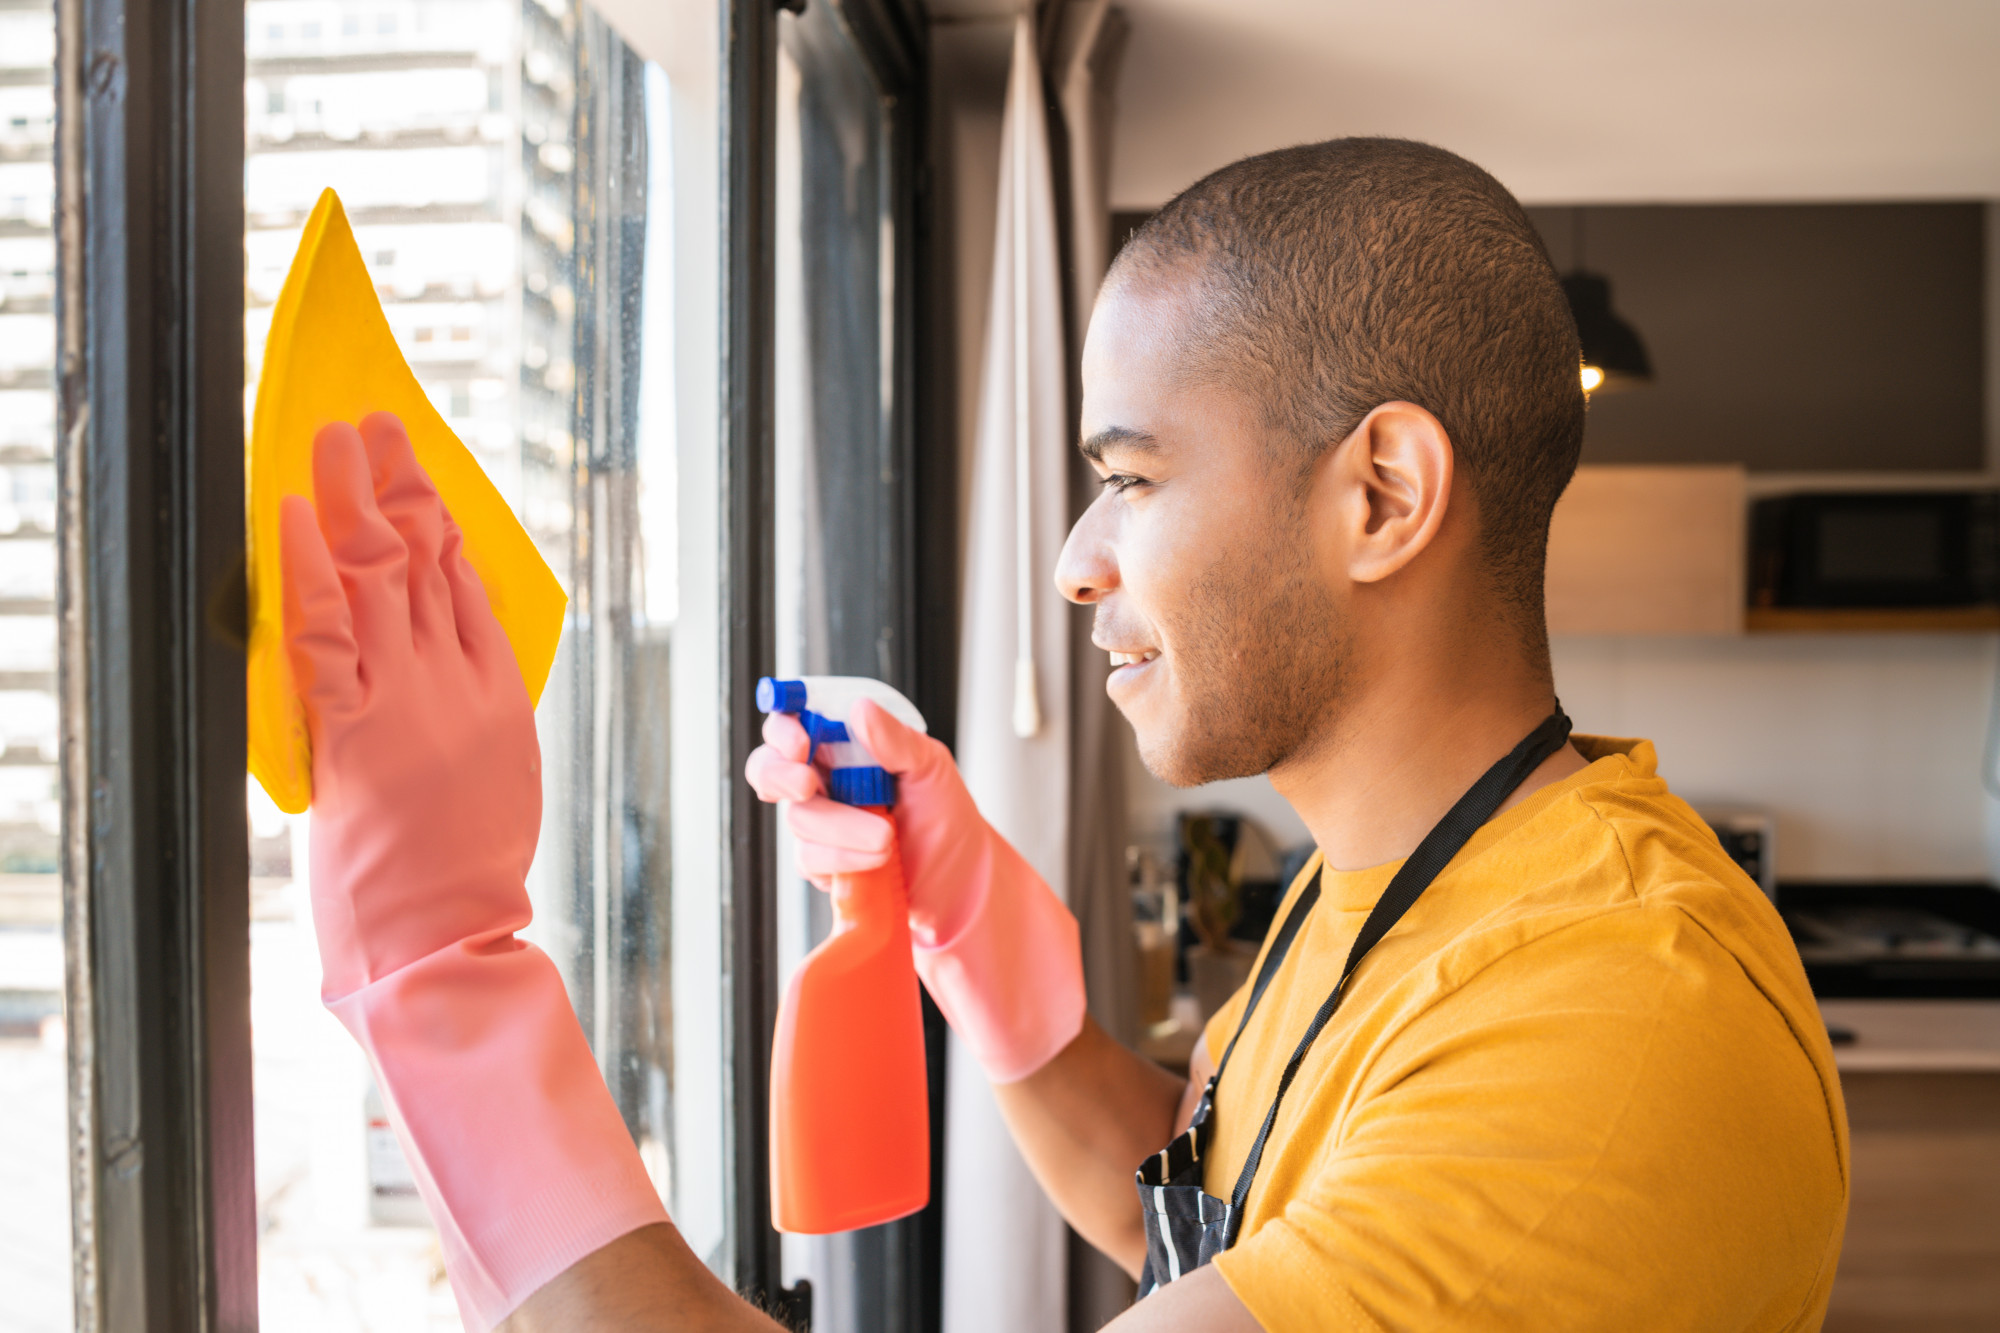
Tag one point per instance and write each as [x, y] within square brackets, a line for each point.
[1154, 579]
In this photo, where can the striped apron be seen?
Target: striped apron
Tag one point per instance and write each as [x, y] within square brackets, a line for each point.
[1186, 1226]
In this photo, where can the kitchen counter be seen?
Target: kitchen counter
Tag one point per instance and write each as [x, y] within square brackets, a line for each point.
[1921, 1081]
[1916, 1036]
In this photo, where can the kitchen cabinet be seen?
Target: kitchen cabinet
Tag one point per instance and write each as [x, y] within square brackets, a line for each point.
[1885, 620]
[1827, 337]
[1922, 1085]
[1648, 550]
[1663, 550]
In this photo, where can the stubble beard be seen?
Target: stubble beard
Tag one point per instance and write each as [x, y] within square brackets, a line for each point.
[1259, 662]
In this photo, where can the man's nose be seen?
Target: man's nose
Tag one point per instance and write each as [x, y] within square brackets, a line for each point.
[1087, 569]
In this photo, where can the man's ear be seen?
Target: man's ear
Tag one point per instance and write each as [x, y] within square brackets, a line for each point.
[1392, 476]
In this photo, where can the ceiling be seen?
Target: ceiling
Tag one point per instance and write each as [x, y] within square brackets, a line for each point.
[1567, 101]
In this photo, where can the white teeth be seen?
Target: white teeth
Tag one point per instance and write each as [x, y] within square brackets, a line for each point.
[1127, 659]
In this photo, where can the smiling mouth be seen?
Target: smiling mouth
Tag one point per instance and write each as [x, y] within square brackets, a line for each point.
[1133, 659]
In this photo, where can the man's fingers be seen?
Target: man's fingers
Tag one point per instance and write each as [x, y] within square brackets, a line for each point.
[898, 748]
[820, 862]
[777, 778]
[785, 734]
[480, 636]
[371, 557]
[319, 632]
[407, 499]
[844, 827]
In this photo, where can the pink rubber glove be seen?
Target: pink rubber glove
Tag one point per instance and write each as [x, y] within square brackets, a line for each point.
[994, 945]
[426, 806]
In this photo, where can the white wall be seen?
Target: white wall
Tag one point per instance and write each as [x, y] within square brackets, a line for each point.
[1866, 747]
[1579, 100]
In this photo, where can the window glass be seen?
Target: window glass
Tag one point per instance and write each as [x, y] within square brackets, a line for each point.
[34, 1169]
[840, 578]
[515, 177]
[838, 584]
[835, 461]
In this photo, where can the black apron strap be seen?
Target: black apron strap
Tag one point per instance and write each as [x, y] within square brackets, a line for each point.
[1274, 958]
[1463, 820]
[1424, 865]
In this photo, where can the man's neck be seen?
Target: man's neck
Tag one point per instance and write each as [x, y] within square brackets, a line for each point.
[1410, 738]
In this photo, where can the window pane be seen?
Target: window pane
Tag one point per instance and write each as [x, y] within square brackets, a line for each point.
[839, 577]
[34, 1169]
[434, 121]
[514, 174]
[836, 477]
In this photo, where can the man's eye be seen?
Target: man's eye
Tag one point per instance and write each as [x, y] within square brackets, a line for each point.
[1120, 481]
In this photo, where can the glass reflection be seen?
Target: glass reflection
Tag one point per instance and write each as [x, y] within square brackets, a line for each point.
[34, 1168]
[498, 160]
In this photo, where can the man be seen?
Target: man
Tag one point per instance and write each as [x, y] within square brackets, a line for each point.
[1525, 1050]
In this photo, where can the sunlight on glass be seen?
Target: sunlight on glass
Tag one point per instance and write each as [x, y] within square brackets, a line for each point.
[34, 1169]
[445, 126]
[506, 167]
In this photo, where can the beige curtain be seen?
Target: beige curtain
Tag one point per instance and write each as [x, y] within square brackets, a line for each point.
[1009, 1262]
[1086, 39]
[1090, 38]
[1005, 1255]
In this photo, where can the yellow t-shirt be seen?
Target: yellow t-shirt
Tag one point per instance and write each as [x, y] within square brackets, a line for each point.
[1582, 1085]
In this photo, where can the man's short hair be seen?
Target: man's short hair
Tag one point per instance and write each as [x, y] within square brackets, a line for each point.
[1338, 276]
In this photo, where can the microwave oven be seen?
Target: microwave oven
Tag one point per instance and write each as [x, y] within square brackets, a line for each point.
[1876, 549]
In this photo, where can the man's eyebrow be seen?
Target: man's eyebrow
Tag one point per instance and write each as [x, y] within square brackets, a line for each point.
[1122, 436]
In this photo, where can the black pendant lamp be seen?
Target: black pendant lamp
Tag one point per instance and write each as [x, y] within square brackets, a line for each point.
[1613, 356]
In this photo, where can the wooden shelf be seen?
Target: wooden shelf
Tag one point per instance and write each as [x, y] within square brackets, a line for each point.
[1919, 619]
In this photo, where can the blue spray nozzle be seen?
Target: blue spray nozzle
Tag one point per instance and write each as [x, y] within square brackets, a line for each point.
[821, 704]
[780, 696]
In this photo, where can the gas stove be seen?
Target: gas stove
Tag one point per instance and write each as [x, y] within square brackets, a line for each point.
[1909, 940]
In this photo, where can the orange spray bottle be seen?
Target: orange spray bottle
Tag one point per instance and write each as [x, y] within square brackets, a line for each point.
[850, 1111]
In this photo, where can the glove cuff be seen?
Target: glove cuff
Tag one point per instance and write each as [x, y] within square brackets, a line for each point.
[1010, 978]
[519, 1153]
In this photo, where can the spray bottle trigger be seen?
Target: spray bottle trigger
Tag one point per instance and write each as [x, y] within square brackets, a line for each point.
[820, 731]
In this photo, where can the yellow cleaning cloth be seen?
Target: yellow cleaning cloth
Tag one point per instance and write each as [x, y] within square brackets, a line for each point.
[331, 357]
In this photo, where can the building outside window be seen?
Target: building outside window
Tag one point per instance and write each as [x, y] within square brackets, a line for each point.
[34, 1223]
[505, 261]
[447, 128]
[540, 209]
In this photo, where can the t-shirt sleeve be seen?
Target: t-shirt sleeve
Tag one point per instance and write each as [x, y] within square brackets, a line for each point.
[1610, 1128]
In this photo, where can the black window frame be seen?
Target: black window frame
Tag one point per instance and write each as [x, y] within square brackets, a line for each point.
[897, 1269]
[151, 609]
[152, 612]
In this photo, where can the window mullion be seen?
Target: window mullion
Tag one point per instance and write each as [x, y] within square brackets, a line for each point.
[151, 605]
[748, 639]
